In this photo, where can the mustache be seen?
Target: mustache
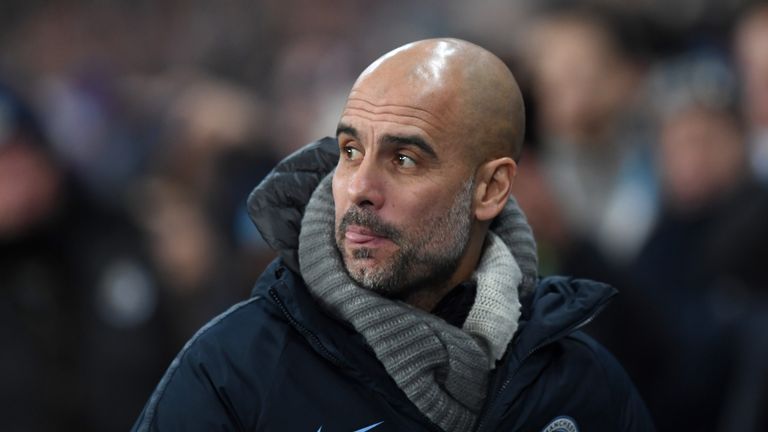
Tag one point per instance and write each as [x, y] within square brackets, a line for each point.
[369, 220]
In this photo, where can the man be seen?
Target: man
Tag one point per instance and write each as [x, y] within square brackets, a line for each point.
[750, 36]
[589, 82]
[396, 302]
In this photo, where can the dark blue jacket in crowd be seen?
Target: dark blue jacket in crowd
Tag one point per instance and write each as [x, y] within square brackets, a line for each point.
[278, 362]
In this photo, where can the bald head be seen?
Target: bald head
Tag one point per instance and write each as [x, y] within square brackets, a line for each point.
[455, 83]
[426, 147]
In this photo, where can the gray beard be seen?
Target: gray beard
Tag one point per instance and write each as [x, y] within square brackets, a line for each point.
[426, 258]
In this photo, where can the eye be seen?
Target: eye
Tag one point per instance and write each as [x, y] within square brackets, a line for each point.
[405, 161]
[351, 153]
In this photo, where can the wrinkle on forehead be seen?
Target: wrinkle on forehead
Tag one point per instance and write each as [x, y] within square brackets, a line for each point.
[430, 131]
[402, 110]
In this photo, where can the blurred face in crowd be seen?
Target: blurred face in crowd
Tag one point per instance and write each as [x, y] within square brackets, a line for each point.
[752, 52]
[28, 186]
[406, 185]
[579, 79]
[702, 155]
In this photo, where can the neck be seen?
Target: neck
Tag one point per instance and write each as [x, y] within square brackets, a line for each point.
[426, 299]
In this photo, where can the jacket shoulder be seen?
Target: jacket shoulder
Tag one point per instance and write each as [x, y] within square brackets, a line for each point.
[228, 362]
[584, 384]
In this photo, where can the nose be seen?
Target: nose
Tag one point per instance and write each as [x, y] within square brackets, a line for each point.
[365, 186]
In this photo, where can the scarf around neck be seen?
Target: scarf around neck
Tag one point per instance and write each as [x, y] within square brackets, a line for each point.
[442, 369]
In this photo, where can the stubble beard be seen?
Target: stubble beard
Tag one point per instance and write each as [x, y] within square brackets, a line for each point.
[426, 257]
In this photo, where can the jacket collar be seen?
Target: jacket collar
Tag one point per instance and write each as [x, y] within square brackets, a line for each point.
[559, 306]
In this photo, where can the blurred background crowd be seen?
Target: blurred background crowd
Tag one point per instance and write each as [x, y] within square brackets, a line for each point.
[131, 133]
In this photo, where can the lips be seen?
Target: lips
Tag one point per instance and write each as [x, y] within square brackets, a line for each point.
[358, 235]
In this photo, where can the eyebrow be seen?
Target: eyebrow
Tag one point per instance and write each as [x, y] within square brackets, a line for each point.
[411, 140]
[344, 128]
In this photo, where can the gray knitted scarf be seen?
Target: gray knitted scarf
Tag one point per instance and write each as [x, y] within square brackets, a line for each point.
[442, 369]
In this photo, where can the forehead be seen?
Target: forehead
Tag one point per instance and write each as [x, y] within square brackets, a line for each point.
[428, 111]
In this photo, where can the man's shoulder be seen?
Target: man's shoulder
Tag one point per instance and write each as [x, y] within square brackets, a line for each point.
[571, 360]
[256, 321]
[232, 365]
[242, 321]
[227, 340]
[594, 375]
[576, 379]
[279, 311]
[556, 371]
[579, 357]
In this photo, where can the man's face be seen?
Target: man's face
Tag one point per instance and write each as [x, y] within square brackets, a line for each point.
[403, 190]
[29, 186]
[579, 78]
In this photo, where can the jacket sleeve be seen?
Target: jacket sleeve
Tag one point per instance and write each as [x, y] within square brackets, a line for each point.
[209, 386]
[583, 388]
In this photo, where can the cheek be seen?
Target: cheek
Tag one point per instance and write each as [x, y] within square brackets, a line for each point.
[339, 200]
[418, 208]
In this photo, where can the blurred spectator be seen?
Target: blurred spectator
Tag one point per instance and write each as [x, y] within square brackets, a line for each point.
[751, 40]
[311, 82]
[192, 202]
[534, 193]
[703, 264]
[588, 81]
[81, 325]
[702, 158]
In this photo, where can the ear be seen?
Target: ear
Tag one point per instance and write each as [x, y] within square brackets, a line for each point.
[494, 185]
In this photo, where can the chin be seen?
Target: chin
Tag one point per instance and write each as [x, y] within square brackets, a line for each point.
[364, 271]
[360, 267]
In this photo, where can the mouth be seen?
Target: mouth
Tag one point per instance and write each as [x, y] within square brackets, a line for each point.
[357, 235]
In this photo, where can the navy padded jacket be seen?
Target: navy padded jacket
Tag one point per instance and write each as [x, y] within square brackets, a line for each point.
[277, 362]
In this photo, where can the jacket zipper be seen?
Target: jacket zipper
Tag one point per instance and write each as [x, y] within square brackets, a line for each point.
[314, 340]
[530, 352]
